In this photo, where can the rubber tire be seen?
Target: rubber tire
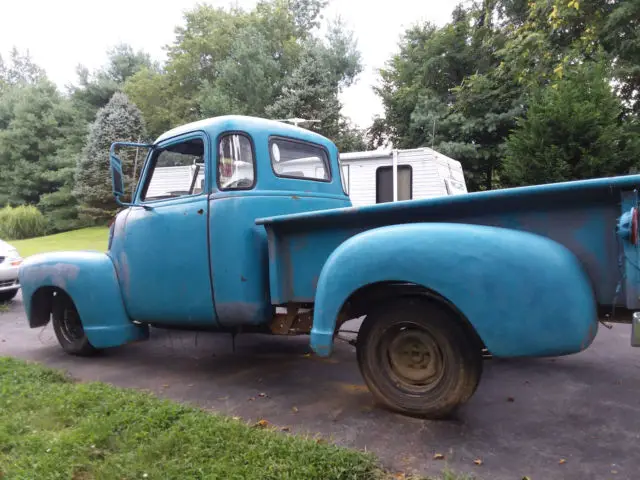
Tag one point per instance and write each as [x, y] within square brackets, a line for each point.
[80, 346]
[461, 357]
[8, 295]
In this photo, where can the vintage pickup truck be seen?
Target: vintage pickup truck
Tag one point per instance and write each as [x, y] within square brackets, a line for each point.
[240, 224]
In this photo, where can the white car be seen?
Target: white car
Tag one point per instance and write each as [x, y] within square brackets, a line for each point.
[10, 261]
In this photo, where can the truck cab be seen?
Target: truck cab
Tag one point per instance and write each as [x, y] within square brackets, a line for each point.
[186, 251]
[198, 223]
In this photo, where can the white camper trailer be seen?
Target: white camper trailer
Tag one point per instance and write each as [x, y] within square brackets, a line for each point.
[368, 177]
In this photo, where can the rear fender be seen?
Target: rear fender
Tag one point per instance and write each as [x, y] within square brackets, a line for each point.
[90, 279]
[524, 294]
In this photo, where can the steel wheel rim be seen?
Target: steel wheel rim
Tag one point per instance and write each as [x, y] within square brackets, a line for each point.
[412, 358]
[71, 326]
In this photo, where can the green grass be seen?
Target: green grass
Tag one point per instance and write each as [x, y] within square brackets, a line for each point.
[52, 427]
[94, 238]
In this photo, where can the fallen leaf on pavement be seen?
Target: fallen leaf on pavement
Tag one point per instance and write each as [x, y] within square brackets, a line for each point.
[478, 461]
[511, 399]
[562, 460]
[438, 456]
[294, 409]
[261, 423]
[285, 429]
[165, 386]
[263, 395]
[236, 418]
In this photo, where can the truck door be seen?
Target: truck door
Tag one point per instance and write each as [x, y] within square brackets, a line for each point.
[165, 273]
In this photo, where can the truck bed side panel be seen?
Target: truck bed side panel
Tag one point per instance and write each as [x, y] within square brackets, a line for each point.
[582, 216]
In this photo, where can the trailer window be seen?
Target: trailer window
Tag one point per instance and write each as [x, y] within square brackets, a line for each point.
[295, 159]
[384, 183]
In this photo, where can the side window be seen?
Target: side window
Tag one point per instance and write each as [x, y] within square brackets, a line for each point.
[384, 183]
[236, 162]
[295, 159]
[176, 171]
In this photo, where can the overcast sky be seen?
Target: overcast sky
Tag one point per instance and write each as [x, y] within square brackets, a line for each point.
[60, 34]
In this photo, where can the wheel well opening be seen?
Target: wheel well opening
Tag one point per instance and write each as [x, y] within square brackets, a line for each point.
[365, 298]
[42, 305]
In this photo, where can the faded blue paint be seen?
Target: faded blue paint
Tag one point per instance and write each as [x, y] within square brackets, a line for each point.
[523, 293]
[90, 280]
[579, 216]
[582, 216]
[527, 266]
[201, 261]
[240, 257]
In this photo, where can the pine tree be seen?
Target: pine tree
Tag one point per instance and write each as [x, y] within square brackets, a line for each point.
[573, 130]
[119, 121]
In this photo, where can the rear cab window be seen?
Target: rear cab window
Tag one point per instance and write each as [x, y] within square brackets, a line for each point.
[298, 159]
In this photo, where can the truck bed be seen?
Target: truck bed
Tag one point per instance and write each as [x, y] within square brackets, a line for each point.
[581, 215]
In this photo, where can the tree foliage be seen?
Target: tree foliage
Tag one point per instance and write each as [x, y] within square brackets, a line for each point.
[267, 62]
[571, 131]
[520, 91]
[94, 89]
[36, 126]
[465, 87]
[118, 121]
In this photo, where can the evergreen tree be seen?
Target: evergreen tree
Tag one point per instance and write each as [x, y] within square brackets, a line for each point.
[573, 130]
[119, 120]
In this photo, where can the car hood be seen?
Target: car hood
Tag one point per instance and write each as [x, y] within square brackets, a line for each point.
[5, 248]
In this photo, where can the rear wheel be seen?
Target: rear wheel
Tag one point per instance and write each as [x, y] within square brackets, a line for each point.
[68, 327]
[417, 358]
[7, 295]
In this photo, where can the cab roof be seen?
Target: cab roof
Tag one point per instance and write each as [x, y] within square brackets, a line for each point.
[251, 125]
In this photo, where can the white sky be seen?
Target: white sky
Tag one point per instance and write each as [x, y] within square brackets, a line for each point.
[60, 34]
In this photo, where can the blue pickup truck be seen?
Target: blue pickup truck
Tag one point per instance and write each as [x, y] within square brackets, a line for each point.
[240, 224]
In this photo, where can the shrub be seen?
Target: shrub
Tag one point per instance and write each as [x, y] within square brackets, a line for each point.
[25, 221]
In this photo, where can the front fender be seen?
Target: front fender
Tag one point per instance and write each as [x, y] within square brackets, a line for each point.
[90, 279]
[524, 294]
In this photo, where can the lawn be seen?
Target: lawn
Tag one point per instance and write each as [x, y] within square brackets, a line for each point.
[94, 238]
[53, 427]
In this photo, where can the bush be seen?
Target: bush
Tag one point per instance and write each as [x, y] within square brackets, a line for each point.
[25, 221]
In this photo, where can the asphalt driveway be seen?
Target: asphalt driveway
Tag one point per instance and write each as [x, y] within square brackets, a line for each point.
[525, 419]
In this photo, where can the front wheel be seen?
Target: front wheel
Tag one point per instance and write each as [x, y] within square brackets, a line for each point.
[7, 295]
[68, 327]
[417, 358]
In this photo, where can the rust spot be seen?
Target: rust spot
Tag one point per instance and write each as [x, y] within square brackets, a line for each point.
[295, 197]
